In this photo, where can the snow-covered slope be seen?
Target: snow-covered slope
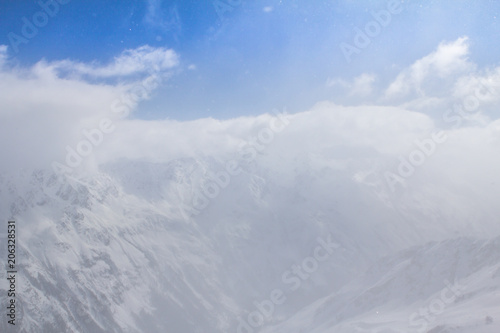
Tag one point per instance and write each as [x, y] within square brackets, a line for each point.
[306, 236]
[448, 286]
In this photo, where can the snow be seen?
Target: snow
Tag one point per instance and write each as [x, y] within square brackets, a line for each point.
[112, 251]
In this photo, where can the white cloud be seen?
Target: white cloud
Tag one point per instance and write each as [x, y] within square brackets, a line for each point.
[3, 54]
[486, 85]
[131, 62]
[42, 111]
[374, 128]
[348, 141]
[363, 84]
[441, 81]
[448, 61]
[360, 86]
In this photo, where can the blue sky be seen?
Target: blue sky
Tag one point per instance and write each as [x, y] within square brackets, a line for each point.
[256, 55]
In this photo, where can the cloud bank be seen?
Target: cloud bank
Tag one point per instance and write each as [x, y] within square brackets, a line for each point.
[45, 111]
[45, 107]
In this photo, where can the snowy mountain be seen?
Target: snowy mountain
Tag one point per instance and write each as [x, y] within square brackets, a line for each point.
[303, 235]
[448, 286]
